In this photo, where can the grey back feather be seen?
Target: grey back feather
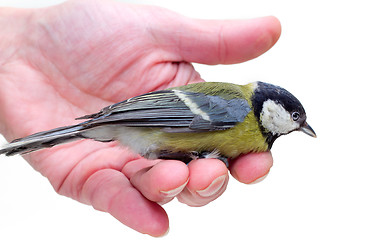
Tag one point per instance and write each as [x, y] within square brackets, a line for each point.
[166, 110]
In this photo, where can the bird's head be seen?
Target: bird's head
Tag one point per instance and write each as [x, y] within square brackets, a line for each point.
[278, 111]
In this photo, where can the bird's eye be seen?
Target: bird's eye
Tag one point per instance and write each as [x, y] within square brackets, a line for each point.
[295, 116]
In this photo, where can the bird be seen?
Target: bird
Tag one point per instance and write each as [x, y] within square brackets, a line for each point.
[200, 120]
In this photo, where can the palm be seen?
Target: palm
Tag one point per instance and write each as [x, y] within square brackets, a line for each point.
[97, 70]
[80, 57]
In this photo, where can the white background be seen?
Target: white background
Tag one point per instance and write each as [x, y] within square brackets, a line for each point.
[317, 188]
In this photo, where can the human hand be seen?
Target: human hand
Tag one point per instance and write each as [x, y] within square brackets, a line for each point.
[73, 59]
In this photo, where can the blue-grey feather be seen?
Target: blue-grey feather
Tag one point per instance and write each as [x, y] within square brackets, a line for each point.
[222, 113]
[166, 110]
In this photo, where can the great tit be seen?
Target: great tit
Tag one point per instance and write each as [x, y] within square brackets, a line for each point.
[201, 120]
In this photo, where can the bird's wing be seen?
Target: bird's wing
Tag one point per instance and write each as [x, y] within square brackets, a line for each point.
[174, 111]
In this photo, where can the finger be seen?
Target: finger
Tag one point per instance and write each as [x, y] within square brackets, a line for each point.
[222, 41]
[251, 168]
[110, 191]
[132, 167]
[207, 181]
[163, 181]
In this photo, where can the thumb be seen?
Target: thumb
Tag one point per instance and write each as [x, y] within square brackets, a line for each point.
[223, 41]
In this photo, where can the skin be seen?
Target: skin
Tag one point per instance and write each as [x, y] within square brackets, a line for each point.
[73, 59]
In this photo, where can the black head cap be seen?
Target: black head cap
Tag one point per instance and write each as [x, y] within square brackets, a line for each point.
[266, 91]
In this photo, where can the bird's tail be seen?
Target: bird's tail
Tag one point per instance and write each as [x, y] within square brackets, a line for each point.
[43, 140]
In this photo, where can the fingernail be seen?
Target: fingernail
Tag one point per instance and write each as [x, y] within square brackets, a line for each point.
[214, 187]
[174, 192]
[258, 179]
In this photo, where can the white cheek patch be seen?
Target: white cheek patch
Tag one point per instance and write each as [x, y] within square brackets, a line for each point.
[276, 119]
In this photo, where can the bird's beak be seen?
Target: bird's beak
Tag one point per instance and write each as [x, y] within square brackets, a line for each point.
[308, 130]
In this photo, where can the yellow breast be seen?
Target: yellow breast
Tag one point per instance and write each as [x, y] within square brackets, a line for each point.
[243, 138]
